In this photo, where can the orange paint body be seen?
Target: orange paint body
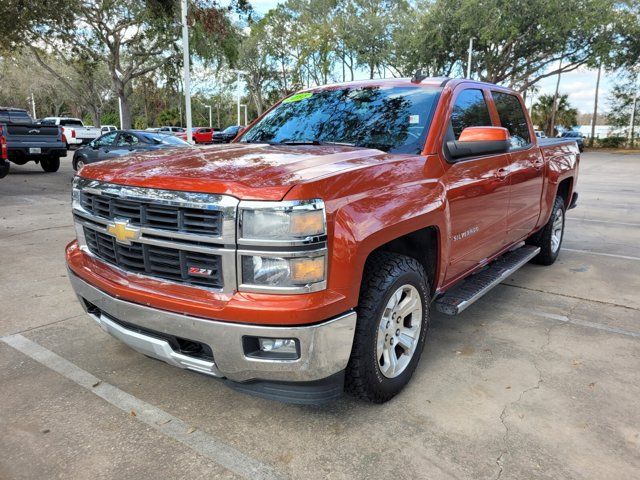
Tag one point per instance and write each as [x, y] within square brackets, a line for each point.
[480, 207]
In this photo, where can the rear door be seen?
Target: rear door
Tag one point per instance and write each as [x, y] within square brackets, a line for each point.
[477, 189]
[526, 167]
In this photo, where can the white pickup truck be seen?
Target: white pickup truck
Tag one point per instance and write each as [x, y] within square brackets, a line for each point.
[74, 130]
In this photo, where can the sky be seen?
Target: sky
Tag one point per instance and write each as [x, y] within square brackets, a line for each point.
[580, 84]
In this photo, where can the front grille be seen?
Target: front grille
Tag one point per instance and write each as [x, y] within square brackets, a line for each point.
[161, 262]
[154, 215]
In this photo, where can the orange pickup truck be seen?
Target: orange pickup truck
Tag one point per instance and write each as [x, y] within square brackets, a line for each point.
[305, 258]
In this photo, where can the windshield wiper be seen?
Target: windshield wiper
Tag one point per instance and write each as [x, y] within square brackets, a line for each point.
[313, 142]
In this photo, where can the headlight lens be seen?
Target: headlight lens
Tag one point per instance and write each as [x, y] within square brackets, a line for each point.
[283, 272]
[283, 222]
[75, 193]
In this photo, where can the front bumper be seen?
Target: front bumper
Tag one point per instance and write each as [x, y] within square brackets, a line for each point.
[324, 348]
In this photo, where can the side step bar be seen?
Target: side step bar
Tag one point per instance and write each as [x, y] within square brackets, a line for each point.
[465, 293]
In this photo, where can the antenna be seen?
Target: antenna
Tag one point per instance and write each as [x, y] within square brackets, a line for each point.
[418, 77]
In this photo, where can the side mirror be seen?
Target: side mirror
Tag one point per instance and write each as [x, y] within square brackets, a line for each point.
[476, 141]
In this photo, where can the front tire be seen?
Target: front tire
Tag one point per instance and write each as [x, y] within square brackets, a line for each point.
[549, 239]
[50, 165]
[78, 163]
[393, 316]
[4, 168]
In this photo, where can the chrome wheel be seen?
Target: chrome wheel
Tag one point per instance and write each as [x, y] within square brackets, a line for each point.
[556, 230]
[79, 165]
[399, 331]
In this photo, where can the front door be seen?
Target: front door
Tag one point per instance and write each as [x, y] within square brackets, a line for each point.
[478, 191]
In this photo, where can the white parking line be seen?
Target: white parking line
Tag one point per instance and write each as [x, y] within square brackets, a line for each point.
[203, 443]
[626, 224]
[582, 323]
[623, 257]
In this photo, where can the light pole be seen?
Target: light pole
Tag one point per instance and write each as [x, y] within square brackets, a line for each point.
[33, 106]
[186, 70]
[244, 105]
[210, 123]
[238, 72]
[119, 75]
[470, 58]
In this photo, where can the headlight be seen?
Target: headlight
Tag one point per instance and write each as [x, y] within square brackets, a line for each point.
[287, 273]
[285, 223]
[267, 232]
[75, 192]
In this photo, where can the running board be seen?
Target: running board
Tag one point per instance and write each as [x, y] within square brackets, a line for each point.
[464, 294]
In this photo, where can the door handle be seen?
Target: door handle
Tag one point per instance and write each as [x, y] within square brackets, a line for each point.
[501, 173]
[538, 164]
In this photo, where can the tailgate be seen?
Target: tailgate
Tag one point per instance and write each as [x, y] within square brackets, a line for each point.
[24, 135]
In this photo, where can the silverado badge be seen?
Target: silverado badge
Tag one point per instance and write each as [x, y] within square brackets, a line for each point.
[123, 232]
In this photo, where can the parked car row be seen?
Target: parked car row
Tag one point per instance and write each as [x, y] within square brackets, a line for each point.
[123, 142]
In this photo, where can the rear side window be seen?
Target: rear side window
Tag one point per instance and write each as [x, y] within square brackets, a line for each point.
[19, 117]
[469, 110]
[71, 122]
[512, 118]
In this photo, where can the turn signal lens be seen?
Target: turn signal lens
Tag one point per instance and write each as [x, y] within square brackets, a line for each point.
[307, 270]
[307, 223]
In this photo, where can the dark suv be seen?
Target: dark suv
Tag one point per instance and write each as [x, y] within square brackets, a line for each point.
[575, 135]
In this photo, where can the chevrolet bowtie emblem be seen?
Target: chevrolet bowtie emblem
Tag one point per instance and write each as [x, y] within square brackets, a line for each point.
[123, 232]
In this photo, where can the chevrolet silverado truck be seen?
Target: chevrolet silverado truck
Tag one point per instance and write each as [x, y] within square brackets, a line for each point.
[306, 257]
[22, 141]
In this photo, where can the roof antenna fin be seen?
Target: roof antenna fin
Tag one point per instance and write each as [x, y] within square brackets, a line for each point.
[418, 77]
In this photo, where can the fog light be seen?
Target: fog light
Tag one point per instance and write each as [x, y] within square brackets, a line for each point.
[271, 348]
[282, 345]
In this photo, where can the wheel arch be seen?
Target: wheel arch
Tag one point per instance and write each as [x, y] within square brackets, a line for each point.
[422, 245]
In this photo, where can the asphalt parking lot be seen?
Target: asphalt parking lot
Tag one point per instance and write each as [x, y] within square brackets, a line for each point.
[539, 379]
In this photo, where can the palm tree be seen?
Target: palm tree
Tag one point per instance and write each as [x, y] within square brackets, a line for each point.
[566, 116]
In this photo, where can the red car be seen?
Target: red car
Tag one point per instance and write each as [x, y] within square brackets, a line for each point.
[199, 134]
[306, 256]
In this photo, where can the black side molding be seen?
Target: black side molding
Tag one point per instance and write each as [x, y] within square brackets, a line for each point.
[574, 201]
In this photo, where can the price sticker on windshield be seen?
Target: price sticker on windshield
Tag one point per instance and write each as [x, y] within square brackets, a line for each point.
[297, 97]
[413, 119]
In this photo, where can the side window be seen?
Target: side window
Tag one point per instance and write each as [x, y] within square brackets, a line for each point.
[469, 110]
[512, 118]
[106, 140]
[126, 139]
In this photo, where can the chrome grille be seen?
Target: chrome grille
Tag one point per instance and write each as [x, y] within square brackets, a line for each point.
[183, 237]
[160, 262]
[148, 214]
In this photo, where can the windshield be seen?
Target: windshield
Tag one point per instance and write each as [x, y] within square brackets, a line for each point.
[392, 119]
[166, 139]
[233, 129]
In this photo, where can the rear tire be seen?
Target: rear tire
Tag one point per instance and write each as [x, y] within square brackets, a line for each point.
[4, 168]
[50, 165]
[549, 239]
[393, 316]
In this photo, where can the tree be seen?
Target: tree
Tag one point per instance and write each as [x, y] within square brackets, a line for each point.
[517, 42]
[377, 22]
[624, 104]
[254, 59]
[542, 113]
[125, 36]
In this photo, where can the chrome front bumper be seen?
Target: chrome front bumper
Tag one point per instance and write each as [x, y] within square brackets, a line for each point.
[324, 348]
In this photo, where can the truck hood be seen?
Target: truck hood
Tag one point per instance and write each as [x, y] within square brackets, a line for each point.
[246, 171]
